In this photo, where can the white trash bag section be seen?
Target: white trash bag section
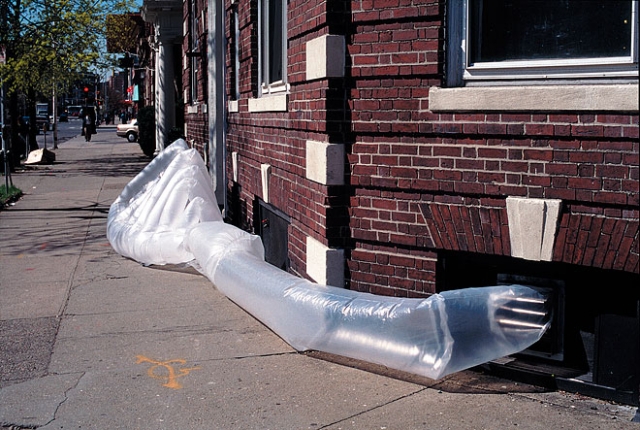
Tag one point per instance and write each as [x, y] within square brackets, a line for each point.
[168, 214]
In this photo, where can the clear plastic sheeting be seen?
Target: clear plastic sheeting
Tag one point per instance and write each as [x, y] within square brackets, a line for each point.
[433, 337]
[149, 219]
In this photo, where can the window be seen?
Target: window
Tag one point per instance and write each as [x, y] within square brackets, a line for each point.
[194, 50]
[272, 45]
[541, 39]
[235, 53]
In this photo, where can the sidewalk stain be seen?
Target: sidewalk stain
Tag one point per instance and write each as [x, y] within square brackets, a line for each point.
[171, 377]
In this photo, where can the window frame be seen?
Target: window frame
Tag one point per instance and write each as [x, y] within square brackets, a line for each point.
[264, 25]
[235, 52]
[461, 73]
[194, 51]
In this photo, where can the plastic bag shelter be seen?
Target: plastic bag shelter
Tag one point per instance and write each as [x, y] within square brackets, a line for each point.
[168, 214]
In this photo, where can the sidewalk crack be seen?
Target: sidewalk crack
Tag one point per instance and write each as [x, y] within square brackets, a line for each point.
[66, 397]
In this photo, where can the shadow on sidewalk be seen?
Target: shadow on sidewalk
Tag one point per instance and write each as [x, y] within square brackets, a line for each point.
[54, 231]
[107, 167]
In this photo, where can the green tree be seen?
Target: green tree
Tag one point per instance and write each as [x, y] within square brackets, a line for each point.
[122, 32]
[51, 43]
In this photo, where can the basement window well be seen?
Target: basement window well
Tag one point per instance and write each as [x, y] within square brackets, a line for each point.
[593, 343]
[272, 225]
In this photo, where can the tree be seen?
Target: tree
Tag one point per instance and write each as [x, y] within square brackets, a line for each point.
[122, 32]
[52, 43]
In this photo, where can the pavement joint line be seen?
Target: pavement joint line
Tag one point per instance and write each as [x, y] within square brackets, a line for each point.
[161, 331]
[363, 412]
[270, 354]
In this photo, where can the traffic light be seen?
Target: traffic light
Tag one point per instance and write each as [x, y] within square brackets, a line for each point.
[86, 91]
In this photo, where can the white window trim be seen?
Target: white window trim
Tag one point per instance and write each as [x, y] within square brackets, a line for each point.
[277, 86]
[274, 88]
[460, 72]
[613, 67]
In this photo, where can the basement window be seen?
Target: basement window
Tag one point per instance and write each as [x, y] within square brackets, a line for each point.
[272, 225]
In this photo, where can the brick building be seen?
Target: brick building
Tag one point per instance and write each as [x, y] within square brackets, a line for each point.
[405, 147]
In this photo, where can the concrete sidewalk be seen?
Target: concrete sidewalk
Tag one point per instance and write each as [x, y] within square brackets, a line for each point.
[91, 340]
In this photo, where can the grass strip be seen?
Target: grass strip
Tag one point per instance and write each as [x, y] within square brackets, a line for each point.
[8, 194]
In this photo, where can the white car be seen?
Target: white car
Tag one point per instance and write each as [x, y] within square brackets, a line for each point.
[129, 130]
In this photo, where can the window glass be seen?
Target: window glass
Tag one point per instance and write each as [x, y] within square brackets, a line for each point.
[512, 30]
[275, 40]
[194, 26]
[235, 54]
[272, 45]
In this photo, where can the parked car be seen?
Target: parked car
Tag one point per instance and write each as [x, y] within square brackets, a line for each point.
[128, 130]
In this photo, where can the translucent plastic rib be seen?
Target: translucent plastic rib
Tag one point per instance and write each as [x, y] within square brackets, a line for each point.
[150, 218]
[433, 337]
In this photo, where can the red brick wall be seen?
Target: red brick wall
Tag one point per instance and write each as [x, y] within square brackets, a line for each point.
[196, 122]
[278, 138]
[434, 181]
[422, 182]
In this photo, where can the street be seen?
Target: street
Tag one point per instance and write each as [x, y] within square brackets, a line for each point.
[66, 130]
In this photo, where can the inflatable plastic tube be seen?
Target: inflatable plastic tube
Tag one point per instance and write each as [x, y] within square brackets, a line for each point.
[433, 337]
[168, 215]
[150, 218]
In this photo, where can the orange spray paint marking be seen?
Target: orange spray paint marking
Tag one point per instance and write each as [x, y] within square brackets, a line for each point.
[171, 377]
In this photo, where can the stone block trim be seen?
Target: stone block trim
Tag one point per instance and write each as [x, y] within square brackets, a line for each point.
[275, 103]
[325, 162]
[325, 57]
[234, 165]
[567, 98]
[325, 265]
[265, 170]
[532, 227]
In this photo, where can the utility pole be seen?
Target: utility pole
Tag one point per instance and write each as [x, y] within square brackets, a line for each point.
[4, 33]
[3, 136]
[54, 110]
